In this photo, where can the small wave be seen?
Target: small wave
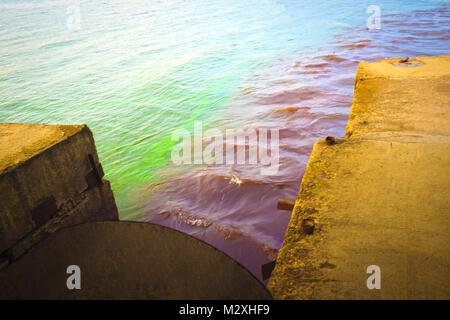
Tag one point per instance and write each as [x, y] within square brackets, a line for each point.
[228, 232]
[285, 110]
[191, 220]
[209, 177]
[317, 65]
[354, 46]
[33, 4]
[290, 96]
[332, 58]
[59, 44]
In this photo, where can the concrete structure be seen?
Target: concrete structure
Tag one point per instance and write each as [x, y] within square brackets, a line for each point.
[50, 185]
[379, 196]
[128, 260]
[50, 177]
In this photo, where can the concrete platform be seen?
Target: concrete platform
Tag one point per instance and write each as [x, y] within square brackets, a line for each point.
[20, 142]
[378, 197]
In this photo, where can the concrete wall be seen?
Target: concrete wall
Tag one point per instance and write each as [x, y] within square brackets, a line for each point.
[50, 177]
[379, 196]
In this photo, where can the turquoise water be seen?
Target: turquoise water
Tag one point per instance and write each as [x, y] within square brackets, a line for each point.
[137, 70]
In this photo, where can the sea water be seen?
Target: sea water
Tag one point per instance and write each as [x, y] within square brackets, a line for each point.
[135, 71]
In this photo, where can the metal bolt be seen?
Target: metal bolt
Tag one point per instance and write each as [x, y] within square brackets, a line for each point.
[307, 226]
[330, 140]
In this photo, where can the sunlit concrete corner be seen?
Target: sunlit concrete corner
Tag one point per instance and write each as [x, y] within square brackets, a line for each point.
[379, 196]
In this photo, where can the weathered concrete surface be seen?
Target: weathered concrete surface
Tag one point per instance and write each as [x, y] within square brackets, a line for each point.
[127, 260]
[20, 142]
[43, 184]
[378, 197]
[410, 100]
